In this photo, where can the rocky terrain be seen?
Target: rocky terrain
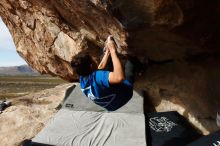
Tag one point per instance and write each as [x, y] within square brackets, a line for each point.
[47, 34]
[24, 120]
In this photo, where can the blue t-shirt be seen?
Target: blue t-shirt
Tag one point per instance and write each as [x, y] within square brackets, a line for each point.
[97, 88]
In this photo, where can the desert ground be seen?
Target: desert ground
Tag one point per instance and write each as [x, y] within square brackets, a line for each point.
[34, 100]
[17, 86]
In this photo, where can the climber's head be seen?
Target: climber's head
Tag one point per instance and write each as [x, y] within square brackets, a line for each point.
[83, 64]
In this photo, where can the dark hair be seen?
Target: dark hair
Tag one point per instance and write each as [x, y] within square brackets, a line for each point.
[82, 63]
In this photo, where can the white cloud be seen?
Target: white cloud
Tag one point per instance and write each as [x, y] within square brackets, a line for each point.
[6, 41]
[8, 54]
[7, 45]
[12, 63]
[10, 58]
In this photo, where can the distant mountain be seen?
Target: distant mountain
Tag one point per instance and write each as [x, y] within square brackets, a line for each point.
[18, 70]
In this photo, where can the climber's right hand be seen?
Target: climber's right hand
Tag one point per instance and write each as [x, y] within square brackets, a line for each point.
[110, 44]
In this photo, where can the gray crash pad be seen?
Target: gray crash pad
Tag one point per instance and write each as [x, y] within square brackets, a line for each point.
[80, 122]
[84, 128]
[76, 100]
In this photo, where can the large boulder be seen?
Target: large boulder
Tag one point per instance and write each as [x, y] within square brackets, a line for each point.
[47, 34]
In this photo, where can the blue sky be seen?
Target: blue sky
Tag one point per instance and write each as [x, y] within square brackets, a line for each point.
[8, 54]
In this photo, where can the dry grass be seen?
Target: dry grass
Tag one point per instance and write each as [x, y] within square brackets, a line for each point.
[12, 87]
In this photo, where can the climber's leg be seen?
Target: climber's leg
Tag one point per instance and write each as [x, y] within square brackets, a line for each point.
[129, 70]
[133, 66]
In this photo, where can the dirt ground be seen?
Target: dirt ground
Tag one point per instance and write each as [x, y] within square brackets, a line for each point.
[24, 120]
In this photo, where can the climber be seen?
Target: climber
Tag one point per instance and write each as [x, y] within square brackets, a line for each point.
[109, 89]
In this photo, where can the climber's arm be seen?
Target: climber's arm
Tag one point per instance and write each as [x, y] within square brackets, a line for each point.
[104, 61]
[117, 76]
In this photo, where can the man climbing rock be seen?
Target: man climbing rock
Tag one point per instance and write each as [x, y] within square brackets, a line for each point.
[109, 89]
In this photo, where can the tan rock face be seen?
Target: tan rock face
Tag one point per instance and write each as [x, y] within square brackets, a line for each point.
[47, 34]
